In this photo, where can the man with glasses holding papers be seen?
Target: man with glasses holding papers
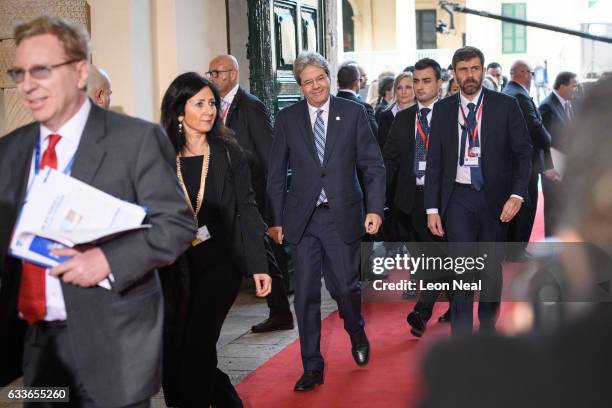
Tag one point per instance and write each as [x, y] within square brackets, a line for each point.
[105, 345]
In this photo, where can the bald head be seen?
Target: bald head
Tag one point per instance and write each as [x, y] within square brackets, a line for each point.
[520, 72]
[223, 71]
[99, 86]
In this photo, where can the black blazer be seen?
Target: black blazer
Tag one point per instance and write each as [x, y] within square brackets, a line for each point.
[350, 145]
[506, 151]
[540, 138]
[385, 120]
[398, 153]
[369, 109]
[114, 333]
[250, 120]
[554, 119]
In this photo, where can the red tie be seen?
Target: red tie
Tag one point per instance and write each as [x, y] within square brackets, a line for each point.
[32, 302]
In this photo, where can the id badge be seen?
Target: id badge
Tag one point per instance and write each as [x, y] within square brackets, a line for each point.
[202, 235]
[471, 161]
[474, 152]
[422, 165]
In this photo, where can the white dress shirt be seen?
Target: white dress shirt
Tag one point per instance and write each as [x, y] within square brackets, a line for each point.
[65, 149]
[420, 181]
[312, 111]
[227, 100]
[565, 104]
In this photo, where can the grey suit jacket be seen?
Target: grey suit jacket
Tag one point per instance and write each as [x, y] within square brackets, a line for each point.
[116, 335]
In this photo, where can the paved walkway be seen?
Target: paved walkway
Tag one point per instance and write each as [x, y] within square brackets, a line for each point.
[239, 350]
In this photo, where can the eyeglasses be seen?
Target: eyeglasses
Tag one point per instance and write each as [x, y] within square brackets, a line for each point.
[215, 73]
[37, 71]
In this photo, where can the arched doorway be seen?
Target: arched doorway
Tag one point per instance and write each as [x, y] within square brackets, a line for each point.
[348, 26]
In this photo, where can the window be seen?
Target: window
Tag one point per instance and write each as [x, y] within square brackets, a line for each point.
[514, 36]
[426, 29]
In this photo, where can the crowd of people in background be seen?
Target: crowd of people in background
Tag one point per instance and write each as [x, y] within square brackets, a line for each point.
[434, 155]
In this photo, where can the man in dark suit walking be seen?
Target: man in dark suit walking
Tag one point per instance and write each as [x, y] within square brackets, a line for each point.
[326, 140]
[557, 114]
[405, 155]
[520, 227]
[478, 167]
[349, 83]
[250, 120]
[106, 345]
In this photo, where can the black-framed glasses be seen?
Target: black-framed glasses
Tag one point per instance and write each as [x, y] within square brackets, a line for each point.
[215, 73]
[37, 71]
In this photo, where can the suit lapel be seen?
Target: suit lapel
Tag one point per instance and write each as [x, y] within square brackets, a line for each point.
[307, 132]
[559, 108]
[89, 154]
[331, 134]
[454, 123]
[488, 113]
[219, 166]
[26, 152]
[233, 106]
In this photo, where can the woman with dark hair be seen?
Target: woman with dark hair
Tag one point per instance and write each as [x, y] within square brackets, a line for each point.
[385, 94]
[201, 286]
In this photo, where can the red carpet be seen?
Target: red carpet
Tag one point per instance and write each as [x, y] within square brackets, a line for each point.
[390, 380]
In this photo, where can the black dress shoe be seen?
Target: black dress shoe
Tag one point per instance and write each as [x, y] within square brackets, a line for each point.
[309, 380]
[417, 324]
[273, 323]
[445, 318]
[360, 348]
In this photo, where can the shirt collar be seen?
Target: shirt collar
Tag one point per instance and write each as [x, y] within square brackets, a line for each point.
[348, 90]
[229, 98]
[313, 109]
[421, 106]
[563, 101]
[522, 86]
[465, 101]
[72, 129]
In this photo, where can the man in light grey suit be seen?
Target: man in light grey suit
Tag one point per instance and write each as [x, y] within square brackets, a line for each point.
[103, 344]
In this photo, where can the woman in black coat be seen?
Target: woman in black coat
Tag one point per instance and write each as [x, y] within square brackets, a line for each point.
[403, 97]
[201, 286]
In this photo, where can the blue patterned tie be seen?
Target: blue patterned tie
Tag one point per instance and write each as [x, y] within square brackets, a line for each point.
[475, 172]
[420, 152]
[319, 134]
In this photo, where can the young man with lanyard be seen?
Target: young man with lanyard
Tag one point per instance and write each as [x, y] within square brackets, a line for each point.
[405, 155]
[478, 167]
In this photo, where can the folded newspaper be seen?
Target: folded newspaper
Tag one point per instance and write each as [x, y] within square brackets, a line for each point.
[61, 211]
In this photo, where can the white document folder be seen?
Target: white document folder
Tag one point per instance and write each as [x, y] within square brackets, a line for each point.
[61, 211]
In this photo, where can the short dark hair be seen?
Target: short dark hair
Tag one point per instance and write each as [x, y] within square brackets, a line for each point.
[183, 88]
[467, 53]
[494, 65]
[385, 85]
[563, 78]
[425, 63]
[347, 75]
[409, 68]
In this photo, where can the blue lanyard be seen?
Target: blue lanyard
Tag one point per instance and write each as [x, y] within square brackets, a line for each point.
[37, 159]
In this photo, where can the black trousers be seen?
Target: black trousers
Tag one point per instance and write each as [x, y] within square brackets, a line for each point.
[213, 289]
[521, 225]
[413, 228]
[550, 191]
[277, 300]
[48, 361]
[322, 251]
[473, 231]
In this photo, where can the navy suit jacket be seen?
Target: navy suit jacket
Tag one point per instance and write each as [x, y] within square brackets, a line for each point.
[554, 119]
[398, 153]
[369, 109]
[506, 151]
[350, 145]
[540, 138]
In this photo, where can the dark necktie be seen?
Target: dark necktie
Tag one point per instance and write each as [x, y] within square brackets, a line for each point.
[421, 145]
[469, 130]
[32, 302]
